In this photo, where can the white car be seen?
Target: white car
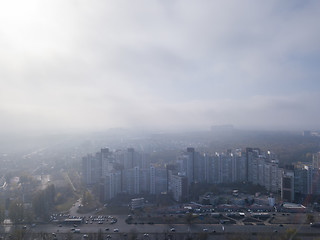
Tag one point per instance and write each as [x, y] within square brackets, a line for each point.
[116, 230]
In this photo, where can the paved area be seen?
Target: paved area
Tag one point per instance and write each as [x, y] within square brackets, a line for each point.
[273, 226]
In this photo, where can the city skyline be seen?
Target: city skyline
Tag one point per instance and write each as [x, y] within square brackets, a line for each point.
[79, 66]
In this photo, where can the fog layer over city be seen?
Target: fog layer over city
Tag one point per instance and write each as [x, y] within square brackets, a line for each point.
[164, 65]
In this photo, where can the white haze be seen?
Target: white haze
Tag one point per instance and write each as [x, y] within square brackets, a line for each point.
[92, 65]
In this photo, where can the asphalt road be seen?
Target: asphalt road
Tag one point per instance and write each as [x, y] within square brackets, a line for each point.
[217, 230]
[163, 231]
[166, 228]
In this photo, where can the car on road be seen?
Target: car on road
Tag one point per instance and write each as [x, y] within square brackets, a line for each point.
[116, 230]
[172, 229]
[205, 230]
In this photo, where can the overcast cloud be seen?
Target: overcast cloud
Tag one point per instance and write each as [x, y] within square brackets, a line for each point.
[93, 65]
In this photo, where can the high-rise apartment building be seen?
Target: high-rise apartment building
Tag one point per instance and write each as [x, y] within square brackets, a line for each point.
[158, 180]
[179, 187]
[91, 170]
[110, 186]
[131, 180]
[144, 180]
[130, 172]
[316, 160]
[190, 164]
[287, 186]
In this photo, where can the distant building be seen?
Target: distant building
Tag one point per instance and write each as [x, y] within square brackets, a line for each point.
[158, 180]
[293, 208]
[91, 170]
[179, 186]
[128, 171]
[137, 203]
[316, 160]
[132, 159]
[306, 133]
[306, 179]
[187, 162]
[144, 180]
[110, 186]
[272, 201]
[131, 180]
[190, 162]
[287, 186]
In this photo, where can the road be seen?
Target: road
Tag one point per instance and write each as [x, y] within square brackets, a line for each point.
[162, 231]
[179, 228]
[217, 230]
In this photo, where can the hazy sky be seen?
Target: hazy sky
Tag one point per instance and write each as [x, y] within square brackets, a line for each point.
[91, 65]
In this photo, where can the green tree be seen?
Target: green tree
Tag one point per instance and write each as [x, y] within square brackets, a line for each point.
[132, 235]
[189, 218]
[87, 198]
[310, 218]
[2, 214]
[16, 211]
[59, 198]
[28, 215]
[18, 234]
[290, 234]
[43, 202]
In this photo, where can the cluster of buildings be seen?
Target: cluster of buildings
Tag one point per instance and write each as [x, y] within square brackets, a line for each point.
[253, 166]
[301, 179]
[308, 133]
[129, 171]
[123, 172]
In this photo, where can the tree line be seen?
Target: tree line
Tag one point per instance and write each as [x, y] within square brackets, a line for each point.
[42, 206]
